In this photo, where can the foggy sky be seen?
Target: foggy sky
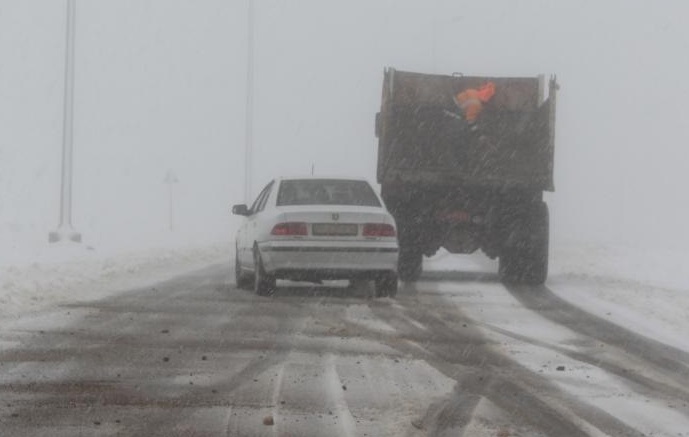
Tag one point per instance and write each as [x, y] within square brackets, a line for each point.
[161, 85]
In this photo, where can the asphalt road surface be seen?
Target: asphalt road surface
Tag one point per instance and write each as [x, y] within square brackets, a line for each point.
[194, 356]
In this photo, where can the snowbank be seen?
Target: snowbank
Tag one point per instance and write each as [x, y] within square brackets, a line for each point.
[652, 266]
[644, 289]
[69, 272]
[639, 288]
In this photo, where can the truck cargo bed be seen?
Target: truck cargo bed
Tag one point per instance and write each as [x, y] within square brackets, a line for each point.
[422, 137]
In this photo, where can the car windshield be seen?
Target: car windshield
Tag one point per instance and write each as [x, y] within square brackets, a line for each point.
[326, 192]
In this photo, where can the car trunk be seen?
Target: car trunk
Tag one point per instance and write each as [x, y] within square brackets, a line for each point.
[335, 222]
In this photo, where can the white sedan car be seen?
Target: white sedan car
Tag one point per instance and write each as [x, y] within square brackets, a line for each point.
[312, 229]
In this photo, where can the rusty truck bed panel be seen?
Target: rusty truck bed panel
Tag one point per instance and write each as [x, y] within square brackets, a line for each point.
[428, 89]
[421, 141]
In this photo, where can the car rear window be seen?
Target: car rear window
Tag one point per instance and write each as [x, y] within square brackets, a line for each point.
[326, 192]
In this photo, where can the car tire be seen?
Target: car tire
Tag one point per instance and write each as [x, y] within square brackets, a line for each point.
[242, 280]
[264, 284]
[386, 285]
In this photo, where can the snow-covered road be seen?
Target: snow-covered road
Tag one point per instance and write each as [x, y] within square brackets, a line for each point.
[599, 351]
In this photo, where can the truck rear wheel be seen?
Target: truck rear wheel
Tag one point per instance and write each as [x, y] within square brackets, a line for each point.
[386, 285]
[525, 259]
[410, 264]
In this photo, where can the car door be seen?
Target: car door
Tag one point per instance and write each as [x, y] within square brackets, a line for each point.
[244, 241]
[251, 226]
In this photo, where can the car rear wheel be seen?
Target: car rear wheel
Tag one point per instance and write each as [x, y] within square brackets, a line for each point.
[264, 284]
[386, 285]
[241, 279]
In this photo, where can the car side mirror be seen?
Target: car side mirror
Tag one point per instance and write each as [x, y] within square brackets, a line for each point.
[240, 210]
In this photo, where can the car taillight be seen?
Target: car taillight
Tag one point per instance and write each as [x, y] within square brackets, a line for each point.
[379, 230]
[289, 228]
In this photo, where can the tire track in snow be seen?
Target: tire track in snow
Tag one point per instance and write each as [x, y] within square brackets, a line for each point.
[531, 399]
[273, 354]
[143, 390]
[335, 393]
[609, 365]
[669, 362]
[276, 399]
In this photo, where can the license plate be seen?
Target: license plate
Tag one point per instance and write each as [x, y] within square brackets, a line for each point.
[455, 216]
[334, 229]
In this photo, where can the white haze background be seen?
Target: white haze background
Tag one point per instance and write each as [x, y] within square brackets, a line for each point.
[160, 84]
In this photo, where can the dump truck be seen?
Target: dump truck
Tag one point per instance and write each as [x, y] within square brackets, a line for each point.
[468, 186]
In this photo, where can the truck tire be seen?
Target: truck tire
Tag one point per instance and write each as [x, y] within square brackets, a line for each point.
[386, 285]
[525, 260]
[410, 264]
[264, 284]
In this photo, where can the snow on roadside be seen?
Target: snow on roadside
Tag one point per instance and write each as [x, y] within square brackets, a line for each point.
[641, 289]
[655, 267]
[645, 290]
[68, 273]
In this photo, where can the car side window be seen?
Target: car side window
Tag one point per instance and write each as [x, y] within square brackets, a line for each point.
[254, 206]
[260, 201]
[264, 199]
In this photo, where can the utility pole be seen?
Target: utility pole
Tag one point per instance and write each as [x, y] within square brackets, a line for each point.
[65, 231]
[249, 133]
[170, 180]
